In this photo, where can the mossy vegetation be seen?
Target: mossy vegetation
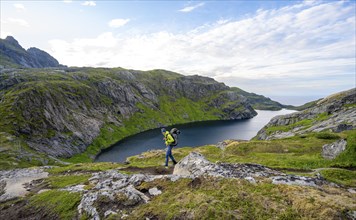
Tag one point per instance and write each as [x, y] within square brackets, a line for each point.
[55, 203]
[348, 157]
[340, 176]
[214, 198]
[306, 123]
[16, 153]
[62, 181]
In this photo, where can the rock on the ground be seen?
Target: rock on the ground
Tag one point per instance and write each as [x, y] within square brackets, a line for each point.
[154, 191]
[331, 151]
[115, 192]
[12, 181]
[222, 145]
[195, 164]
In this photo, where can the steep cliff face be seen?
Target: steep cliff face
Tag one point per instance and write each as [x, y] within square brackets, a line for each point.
[60, 112]
[13, 55]
[334, 113]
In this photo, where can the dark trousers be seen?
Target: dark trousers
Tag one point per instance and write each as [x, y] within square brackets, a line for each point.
[169, 155]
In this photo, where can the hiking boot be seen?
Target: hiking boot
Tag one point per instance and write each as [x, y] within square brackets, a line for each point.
[174, 162]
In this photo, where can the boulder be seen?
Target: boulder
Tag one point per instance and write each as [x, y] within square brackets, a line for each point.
[331, 151]
[196, 164]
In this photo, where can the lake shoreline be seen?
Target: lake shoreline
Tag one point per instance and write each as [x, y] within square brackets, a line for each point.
[194, 134]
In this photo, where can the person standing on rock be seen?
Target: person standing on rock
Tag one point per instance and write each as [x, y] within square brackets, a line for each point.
[168, 140]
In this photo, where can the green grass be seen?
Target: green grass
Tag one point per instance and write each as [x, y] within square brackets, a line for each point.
[209, 199]
[301, 153]
[348, 157]
[303, 123]
[61, 181]
[219, 198]
[58, 203]
[15, 153]
[340, 176]
[353, 105]
[327, 135]
[322, 116]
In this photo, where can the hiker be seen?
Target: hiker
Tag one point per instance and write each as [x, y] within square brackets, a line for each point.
[169, 141]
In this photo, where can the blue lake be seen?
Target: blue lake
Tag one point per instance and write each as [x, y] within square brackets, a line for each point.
[192, 135]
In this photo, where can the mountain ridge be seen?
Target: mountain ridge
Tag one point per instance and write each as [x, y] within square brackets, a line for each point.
[13, 55]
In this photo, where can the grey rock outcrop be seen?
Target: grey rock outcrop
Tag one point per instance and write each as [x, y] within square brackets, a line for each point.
[334, 113]
[331, 151]
[195, 165]
[116, 191]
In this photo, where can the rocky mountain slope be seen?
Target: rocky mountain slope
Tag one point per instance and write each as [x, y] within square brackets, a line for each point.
[13, 55]
[62, 112]
[334, 113]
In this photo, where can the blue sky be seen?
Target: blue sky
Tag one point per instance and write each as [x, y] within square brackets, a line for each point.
[275, 48]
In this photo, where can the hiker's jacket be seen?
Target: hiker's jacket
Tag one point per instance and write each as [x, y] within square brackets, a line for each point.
[168, 137]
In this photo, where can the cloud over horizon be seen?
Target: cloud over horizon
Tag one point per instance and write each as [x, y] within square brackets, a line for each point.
[294, 45]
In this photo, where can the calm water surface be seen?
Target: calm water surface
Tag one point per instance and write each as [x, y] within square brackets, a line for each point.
[192, 135]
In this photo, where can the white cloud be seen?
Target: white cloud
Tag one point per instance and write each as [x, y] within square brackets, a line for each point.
[89, 3]
[291, 47]
[67, 1]
[191, 8]
[17, 21]
[115, 23]
[19, 7]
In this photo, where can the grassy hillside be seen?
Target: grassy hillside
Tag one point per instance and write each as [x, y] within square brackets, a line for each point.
[211, 197]
[79, 111]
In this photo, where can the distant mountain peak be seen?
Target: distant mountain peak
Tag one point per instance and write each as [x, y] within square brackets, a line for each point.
[12, 40]
[13, 55]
